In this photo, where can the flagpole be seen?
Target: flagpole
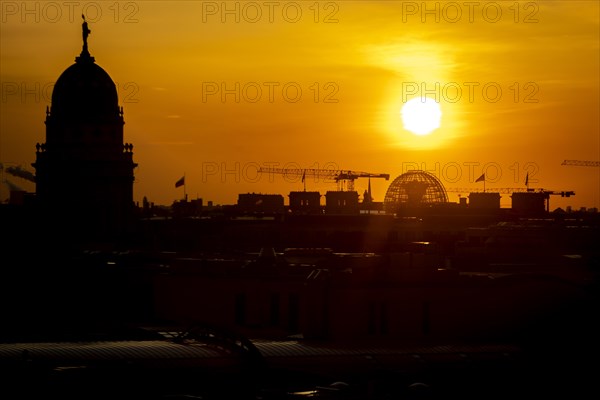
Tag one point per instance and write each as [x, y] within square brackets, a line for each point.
[304, 179]
[184, 191]
[481, 178]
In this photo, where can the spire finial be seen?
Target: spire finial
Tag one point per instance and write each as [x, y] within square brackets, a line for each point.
[85, 32]
[85, 54]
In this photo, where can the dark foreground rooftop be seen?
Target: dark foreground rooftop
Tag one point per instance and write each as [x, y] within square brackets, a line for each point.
[211, 364]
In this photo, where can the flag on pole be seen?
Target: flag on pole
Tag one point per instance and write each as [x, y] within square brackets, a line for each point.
[481, 178]
[304, 179]
[180, 182]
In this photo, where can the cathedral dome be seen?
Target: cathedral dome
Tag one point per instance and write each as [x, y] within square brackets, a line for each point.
[85, 91]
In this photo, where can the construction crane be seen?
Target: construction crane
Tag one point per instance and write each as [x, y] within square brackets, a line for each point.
[344, 178]
[580, 163]
[492, 190]
[545, 193]
[563, 193]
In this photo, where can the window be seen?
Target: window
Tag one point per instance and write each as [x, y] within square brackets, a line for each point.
[371, 319]
[425, 322]
[293, 312]
[240, 309]
[274, 314]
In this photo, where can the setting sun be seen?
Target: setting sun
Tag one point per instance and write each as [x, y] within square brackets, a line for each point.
[421, 115]
[223, 90]
[205, 189]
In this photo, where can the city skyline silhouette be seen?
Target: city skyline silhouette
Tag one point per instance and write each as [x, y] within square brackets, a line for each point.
[289, 200]
[354, 109]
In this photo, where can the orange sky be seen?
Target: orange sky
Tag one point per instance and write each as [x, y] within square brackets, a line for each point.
[354, 62]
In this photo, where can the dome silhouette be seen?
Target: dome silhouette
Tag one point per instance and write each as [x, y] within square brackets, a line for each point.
[85, 91]
[414, 189]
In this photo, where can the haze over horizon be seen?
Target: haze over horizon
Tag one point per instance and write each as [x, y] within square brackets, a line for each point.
[214, 92]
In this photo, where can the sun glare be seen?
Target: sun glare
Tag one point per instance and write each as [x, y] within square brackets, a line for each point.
[421, 115]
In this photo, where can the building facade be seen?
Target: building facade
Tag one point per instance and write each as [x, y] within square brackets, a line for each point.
[84, 170]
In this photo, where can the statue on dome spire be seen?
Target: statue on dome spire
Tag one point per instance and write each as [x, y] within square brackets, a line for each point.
[85, 54]
[85, 31]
